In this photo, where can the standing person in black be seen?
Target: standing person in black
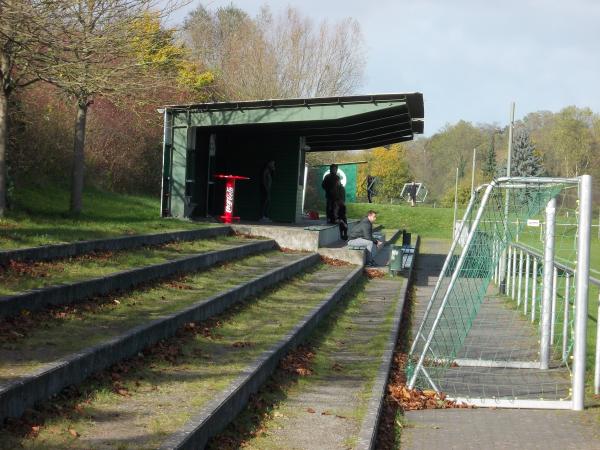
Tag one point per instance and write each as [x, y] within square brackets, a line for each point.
[329, 185]
[362, 236]
[339, 210]
[370, 188]
[266, 181]
[412, 193]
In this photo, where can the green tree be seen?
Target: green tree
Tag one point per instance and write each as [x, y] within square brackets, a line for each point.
[464, 195]
[449, 149]
[390, 166]
[525, 162]
[490, 164]
[572, 141]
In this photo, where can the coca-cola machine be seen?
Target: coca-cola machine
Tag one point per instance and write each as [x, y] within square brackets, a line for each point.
[229, 203]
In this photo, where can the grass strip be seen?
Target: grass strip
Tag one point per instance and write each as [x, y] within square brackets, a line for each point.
[40, 217]
[24, 276]
[34, 339]
[152, 396]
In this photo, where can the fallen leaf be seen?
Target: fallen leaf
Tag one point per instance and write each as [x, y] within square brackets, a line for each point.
[337, 367]
[310, 410]
[73, 432]
[334, 262]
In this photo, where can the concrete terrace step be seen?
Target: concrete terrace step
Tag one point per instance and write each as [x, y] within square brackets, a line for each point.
[57, 251]
[73, 292]
[205, 390]
[112, 343]
[307, 236]
[339, 405]
[224, 407]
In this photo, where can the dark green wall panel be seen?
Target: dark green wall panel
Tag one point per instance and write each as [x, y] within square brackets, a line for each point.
[245, 154]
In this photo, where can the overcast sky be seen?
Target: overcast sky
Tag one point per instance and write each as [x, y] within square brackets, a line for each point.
[471, 58]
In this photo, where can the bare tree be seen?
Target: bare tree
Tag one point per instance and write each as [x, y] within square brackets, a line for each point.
[316, 59]
[287, 55]
[95, 52]
[232, 44]
[21, 30]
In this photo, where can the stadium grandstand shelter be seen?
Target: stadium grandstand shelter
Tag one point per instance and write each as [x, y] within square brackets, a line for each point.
[202, 140]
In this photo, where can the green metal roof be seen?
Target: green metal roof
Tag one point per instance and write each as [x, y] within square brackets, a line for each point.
[328, 123]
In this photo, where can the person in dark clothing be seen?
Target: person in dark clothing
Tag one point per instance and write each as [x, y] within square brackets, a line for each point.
[266, 181]
[370, 188]
[329, 185]
[362, 236]
[412, 193]
[339, 210]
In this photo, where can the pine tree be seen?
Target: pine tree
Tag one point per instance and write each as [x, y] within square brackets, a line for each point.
[490, 165]
[525, 160]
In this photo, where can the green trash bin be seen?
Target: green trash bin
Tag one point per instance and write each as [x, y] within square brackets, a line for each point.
[396, 259]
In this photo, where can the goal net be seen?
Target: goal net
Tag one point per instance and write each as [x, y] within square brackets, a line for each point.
[500, 327]
[419, 189]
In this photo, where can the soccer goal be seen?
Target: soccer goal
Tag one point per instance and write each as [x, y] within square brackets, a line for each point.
[506, 323]
[420, 193]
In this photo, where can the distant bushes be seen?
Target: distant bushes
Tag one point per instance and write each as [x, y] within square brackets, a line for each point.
[123, 147]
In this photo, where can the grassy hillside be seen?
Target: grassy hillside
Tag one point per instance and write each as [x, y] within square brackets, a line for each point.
[422, 220]
[40, 217]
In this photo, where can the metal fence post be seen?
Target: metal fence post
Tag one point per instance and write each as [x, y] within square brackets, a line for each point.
[548, 272]
[498, 256]
[534, 289]
[495, 251]
[565, 346]
[508, 267]
[553, 322]
[520, 277]
[597, 362]
[514, 273]
[582, 284]
[527, 267]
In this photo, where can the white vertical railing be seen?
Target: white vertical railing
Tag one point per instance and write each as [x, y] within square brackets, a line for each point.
[548, 272]
[581, 292]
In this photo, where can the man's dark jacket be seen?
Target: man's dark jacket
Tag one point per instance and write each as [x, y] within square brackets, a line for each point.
[363, 229]
[329, 183]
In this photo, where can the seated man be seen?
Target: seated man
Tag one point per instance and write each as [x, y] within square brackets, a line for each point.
[362, 235]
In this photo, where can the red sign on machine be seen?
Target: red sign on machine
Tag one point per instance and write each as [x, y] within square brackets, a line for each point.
[228, 216]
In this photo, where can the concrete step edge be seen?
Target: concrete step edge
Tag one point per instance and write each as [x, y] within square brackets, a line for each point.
[56, 251]
[73, 292]
[215, 416]
[24, 392]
